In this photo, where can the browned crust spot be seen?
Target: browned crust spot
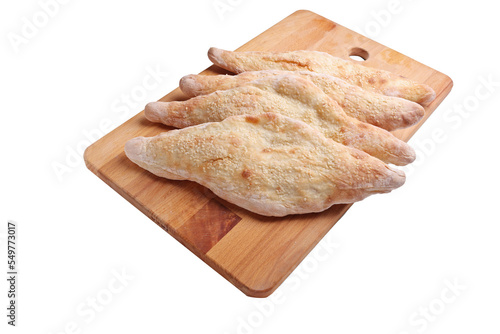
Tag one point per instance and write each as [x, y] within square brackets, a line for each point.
[252, 119]
[246, 173]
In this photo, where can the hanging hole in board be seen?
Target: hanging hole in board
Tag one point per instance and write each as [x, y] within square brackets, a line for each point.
[358, 54]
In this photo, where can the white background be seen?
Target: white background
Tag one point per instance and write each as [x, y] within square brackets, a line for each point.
[394, 256]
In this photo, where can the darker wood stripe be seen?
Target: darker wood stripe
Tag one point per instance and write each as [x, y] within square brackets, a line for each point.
[208, 226]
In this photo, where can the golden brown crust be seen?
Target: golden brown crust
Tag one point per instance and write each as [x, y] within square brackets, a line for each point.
[267, 163]
[292, 96]
[376, 80]
[384, 111]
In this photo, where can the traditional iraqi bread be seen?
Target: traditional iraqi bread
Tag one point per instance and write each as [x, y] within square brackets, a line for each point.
[372, 79]
[384, 111]
[268, 163]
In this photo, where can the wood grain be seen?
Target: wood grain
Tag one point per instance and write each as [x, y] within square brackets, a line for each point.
[253, 252]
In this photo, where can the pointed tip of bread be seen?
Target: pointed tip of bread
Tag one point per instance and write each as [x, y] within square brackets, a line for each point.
[428, 96]
[214, 54]
[393, 179]
[152, 111]
[190, 86]
[218, 57]
[134, 148]
[396, 152]
[397, 177]
[407, 154]
[411, 113]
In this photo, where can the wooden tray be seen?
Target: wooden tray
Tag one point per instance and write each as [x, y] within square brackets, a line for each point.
[254, 253]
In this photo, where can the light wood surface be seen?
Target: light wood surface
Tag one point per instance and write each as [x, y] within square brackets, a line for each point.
[253, 252]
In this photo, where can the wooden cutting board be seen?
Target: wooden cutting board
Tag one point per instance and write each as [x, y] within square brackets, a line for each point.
[253, 252]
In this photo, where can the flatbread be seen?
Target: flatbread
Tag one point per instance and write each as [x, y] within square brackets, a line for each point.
[268, 163]
[384, 111]
[372, 79]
